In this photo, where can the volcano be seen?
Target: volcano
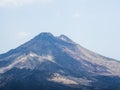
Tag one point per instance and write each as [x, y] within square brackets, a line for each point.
[50, 62]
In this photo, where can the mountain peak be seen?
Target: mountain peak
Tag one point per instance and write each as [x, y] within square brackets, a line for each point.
[65, 38]
[44, 35]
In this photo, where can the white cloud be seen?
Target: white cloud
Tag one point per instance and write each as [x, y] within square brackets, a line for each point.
[76, 15]
[7, 3]
[22, 35]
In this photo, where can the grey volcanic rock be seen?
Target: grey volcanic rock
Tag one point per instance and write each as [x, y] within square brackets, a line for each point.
[57, 63]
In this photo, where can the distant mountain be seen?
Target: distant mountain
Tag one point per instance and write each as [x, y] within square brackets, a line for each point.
[57, 63]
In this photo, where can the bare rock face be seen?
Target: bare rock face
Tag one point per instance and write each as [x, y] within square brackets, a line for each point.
[57, 63]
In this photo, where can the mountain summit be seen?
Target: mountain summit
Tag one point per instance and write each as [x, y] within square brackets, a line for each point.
[49, 62]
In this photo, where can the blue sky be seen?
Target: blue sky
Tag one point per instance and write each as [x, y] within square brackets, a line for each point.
[94, 24]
